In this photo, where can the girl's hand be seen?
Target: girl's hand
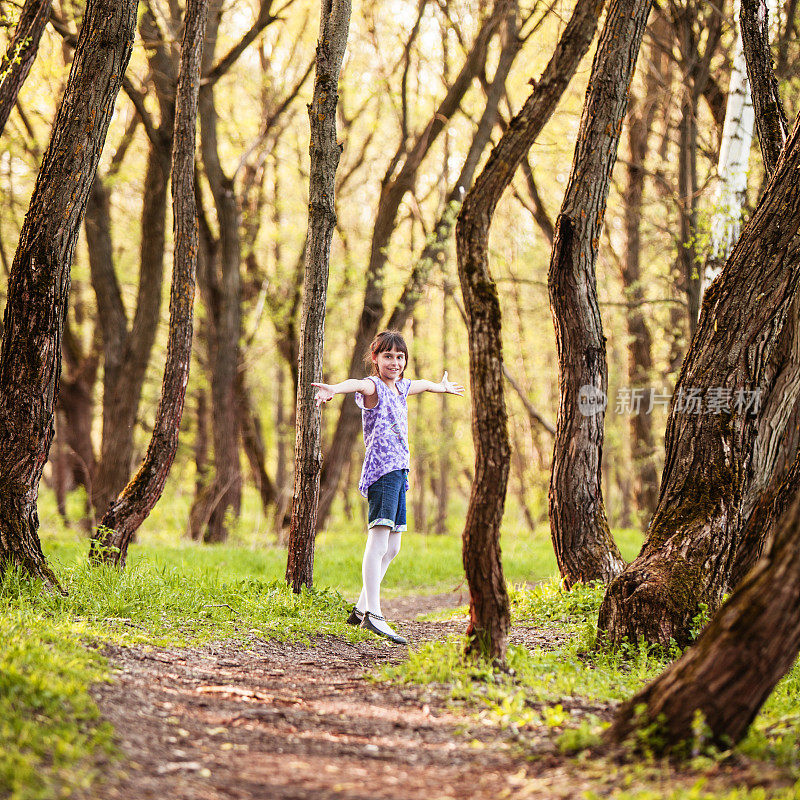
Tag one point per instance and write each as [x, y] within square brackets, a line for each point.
[324, 393]
[451, 388]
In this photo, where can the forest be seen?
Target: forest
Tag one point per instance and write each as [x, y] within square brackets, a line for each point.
[584, 215]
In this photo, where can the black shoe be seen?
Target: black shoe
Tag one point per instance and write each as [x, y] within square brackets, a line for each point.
[366, 623]
[355, 617]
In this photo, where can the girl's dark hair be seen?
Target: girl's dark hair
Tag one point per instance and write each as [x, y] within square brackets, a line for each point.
[385, 340]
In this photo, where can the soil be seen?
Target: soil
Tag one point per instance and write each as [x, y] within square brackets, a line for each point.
[286, 721]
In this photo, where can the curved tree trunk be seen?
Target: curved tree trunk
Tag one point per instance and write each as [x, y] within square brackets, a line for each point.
[733, 667]
[736, 389]
[489, 614]
[130, 509]
[30, 358]
[584, 547]
[325, 152]
[757, 59]
[21, 53]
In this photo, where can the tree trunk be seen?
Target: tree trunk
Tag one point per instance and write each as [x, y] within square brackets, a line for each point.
[771, 122]
[253, 443]
[734, 157]
[126, 351]
[489, 612]
[640, 357]
[324, 151]
[18, 60]
[737, 387]
[687, 196]
[76, 403]
[394, 186]
[38, 287]
[584, 547]
[200, 455]
[131, 508]
[737, 661]
[225, 490]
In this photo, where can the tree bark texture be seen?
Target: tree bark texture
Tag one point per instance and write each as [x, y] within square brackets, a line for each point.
[733, 667]
[324, 151]
[396, 183]
[584, 547]
[640, 356]
[771, 122]
[38, 288]
[489, 610]
[721, 449]
[124, 516]
[21, 53]
[225, 489]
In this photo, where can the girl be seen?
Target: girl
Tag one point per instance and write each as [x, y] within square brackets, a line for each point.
[384, 415]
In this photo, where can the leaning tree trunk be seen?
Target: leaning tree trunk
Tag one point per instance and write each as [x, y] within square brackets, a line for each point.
[736, 389]
[584, 547]
[734, 665]
[38, 287]
[21, 53]
[325, 152]
[772, 132]
[489, 612]
[130, 509]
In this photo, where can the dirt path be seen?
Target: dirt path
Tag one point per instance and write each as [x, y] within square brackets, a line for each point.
[285, 721]
[288, 722]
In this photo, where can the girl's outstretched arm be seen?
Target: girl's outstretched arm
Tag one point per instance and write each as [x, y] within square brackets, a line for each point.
[326, 392]
[443, 387]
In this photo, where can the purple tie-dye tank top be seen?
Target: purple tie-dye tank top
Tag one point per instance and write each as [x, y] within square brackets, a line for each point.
[385, 432]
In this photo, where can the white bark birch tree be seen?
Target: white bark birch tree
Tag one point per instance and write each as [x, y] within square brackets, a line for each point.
[734, 158]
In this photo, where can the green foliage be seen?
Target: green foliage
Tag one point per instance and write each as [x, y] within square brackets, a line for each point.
[549, 602]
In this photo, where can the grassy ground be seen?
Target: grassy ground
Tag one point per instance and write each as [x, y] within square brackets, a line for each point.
[542, 680]
[427, 564]
[178, 592]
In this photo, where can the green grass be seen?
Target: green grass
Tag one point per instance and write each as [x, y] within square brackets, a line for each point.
[531, 696]
[426, 564]
[177, 592]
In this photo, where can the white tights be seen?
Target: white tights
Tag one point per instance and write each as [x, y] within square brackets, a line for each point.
[382, 546]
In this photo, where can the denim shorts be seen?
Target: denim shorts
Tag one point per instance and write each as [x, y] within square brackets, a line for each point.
[387, 500]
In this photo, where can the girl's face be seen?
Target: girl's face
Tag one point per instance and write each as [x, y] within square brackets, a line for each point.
[390, 364]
